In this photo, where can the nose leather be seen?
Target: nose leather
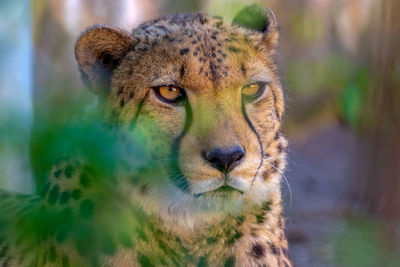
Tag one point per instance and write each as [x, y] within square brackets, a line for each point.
[225, 160]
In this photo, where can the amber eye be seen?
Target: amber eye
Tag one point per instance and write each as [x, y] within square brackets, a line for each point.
[169, 93]
[252, 91]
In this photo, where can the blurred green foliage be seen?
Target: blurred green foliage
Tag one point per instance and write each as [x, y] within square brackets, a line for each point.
[354, 97]
[82, 137]
[306, 27]
[229, 8]
[361, 244]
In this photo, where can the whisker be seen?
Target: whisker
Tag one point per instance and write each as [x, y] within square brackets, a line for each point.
[286, 180]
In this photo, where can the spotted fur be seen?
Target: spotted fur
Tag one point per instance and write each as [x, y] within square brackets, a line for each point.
[176, 219]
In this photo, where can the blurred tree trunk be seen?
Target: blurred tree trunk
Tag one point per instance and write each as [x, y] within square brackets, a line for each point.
[379, 178]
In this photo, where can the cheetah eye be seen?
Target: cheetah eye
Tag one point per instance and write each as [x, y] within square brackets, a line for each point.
[170, 93]
[251, 92]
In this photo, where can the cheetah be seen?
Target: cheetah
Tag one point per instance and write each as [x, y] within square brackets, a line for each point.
[193, 105]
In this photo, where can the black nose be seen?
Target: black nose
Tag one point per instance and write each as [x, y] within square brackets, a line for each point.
[224, 160]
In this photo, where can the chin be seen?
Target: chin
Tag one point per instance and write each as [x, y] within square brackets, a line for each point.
[224, 199]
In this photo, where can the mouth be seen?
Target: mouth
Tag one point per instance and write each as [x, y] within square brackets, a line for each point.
[224, 190]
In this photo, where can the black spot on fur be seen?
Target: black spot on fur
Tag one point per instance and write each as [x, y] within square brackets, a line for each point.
[277, 135]
[169, 39]
[182, 71]
[53, 195]
[229, 262]
[243, 69]
[69, 171]
[233, 49]
[202, 19]
[274, 249]
[235, 237]
[76, 194]
[213, 71]
[57, 173]
[239, 219]
[202, 262]
[280, 148]
[86, 208]
[120, 90]
[184, 51]
[266, 206]
[52, 254]
[260, 218]
[276, 164]
[84, 180]
[154, 43]
[257, 250]
[212, 240]
[144, 260]
[144, 188]
[65, 197]
[131, 95]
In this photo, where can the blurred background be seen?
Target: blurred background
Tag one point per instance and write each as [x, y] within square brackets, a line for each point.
[340, 63]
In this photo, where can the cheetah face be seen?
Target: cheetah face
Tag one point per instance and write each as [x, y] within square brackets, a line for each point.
[206, 99]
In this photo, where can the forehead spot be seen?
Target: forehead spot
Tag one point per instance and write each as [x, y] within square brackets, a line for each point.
[233, 49]
[184, 51]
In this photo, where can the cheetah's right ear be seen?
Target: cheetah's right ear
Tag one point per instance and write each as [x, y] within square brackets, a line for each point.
[99, 50]
[259, 19]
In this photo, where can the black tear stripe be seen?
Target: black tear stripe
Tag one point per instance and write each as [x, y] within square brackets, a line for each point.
[179, 180]
[135, 118]
[258, 138]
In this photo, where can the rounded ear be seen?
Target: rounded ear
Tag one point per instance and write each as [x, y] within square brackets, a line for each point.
[99, 50]
[259, 19]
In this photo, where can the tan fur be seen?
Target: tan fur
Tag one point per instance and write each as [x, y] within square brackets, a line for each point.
[211, 60]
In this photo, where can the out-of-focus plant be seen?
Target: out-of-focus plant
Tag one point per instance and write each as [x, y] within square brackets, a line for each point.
[360, 244]
[105, 217]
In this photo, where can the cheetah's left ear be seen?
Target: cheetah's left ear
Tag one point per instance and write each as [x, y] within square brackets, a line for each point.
[99, 50]
[259, 19]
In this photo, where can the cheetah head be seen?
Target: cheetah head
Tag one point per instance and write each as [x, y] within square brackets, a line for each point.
[205, 97]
